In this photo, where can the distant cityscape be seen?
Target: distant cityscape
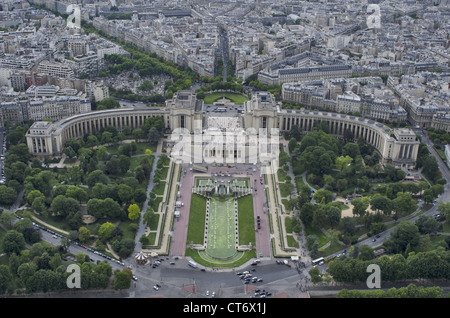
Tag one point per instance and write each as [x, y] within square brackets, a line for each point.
[321, 53]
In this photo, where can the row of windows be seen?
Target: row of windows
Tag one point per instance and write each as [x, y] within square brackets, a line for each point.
[79, 129]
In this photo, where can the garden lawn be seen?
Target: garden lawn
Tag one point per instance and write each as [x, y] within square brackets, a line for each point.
[246, 221]
[235, 98]
[197, 213]
[221, 232]
[323, 239]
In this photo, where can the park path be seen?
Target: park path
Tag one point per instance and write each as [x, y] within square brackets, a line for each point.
[142, 226]
[170, 198]
[274, 212]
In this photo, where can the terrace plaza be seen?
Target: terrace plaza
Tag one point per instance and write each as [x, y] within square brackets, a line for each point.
[398, 146]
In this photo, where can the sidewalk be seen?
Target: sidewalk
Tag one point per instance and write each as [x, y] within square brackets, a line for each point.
[167, 213]
[273, 210]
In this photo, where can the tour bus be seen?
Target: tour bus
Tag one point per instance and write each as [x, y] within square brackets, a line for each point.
[319, 261]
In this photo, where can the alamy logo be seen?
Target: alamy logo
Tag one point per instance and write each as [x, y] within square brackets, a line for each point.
[74, 279]
[374, 279]
[374, 20]
[74, 19]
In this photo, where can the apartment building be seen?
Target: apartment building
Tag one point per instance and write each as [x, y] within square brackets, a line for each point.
[53, 108]
[305, 74]
[55, 69]
[338, 95]
[349, 102]
[78, 47]
[441, 121]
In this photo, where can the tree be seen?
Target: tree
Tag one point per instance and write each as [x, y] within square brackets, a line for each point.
[295, 132]
[32, 195]
[112, 208]
[5, 278]
[393, 174]
[348, 225]
[404, 204]
[7, 218]
[427, 225]
[312, 241]
[13, 242]
[45, 280]
[348, 135]
[153, 136]
[126, 149]
[105, 231]
[307, 213]
[134, 212]
[55, 261]
[26, 271]
[405, 233]
[108, 103]
[125, 193]
[316, 277]
[7, 195]
[69, 152]
[146, 86]
[342, 162]
[83, 234]
[360, 206]
[122, 280]
[125, 248]
[20, 152]
[381, 203]
[437, 189]
[341, 184]
[107, 137]
[101, 153]
[104, 268]
[323, 196]
[21, 225]
[94, 208]
[431, 168]
[333, 216]
[77, 193]
[351, 150]
[96, 176]
[444, 209]
[292, 144]
[124, 163]
[140, 196]
[64, 206]
[113, 166]
[366, 253]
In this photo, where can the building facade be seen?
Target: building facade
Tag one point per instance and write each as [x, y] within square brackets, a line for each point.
[441, 121]
[398, 147]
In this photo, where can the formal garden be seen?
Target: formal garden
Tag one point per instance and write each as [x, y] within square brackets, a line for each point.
[221, 223]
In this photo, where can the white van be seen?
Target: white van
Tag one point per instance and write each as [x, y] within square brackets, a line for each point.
[192, 264]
